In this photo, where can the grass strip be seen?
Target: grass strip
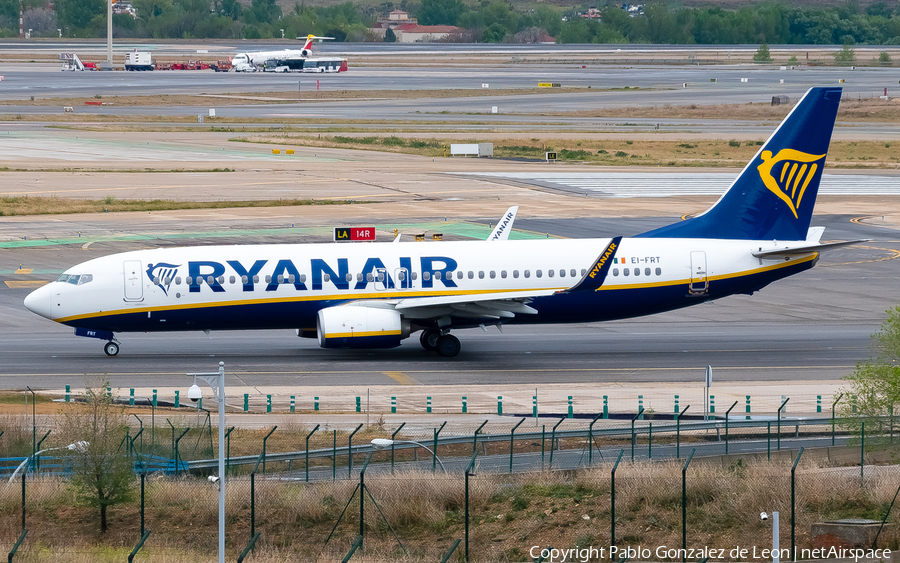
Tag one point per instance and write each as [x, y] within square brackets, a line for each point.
[23, 205]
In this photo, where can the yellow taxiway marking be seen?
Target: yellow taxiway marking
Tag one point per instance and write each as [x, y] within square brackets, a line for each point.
[895, 254]
[402, 378]
[23, 271]
[862, 221]
[28, 283]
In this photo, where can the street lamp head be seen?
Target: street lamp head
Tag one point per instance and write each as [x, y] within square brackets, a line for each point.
[194, 393]
[381, 443]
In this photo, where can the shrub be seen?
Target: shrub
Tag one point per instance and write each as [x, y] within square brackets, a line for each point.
[734, 143]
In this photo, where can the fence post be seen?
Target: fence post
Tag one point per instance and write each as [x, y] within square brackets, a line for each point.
[635, 417]
[862, 454]
[475, 437]
[678, 432]
[793, 505]
[605, 407]
[264, 447]
[130, 396]
[591, 439]
[571, 414]
[748, 407]
[469, 474]
[393, 405]
[246, 402]
[393, 439]
[650, 441]
[768, 440]
[712, 404]
[676, 404]
[334, 455]
[435, 446]
[818, 403]
[428, 404]
[350, 453]
[641, 405]
[612, 500]
[307, 451]
[543, 438]
[293, 404]
[779, 422]
[268, 403]
[534, 406]
[358, 404]
[511, 434]
[832, 416]
[684, 505]
[177, 399]
[316, 404]
[177, 454]
[728, 412]
[464, 410]
[499, 404]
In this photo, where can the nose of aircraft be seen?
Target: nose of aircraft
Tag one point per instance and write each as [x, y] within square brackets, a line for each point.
[39, 302]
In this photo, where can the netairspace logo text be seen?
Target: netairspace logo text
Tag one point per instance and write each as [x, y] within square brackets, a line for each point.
[664, 553]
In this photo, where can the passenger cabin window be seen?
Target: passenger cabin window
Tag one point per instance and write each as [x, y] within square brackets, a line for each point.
[527, 274]
[615, 272]
[231, 280]
[550, 273]
[177, 280]
[255, 279]
[437, 275]
[583, 271]
[426, 276]
[562, 273]
[646, 271]
[280, 279]
[503, 274]
[538, 273]
[572, 272]
[401, 276]
[291, 278]
[515, 273]
[415, 275]
[326, 277]
[221, 280]
[302, 278]
[471, 274]
[268, 280]
[481, 274]
[626, 271]
[370, 277]
[359, 277]
[348, 277]
[637, 271]
[493, 274]
[244, 280]
[659, 271]
[459, 274]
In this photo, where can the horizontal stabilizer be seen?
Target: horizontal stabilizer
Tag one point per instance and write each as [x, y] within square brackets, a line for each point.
[596, 275]
[798, 250]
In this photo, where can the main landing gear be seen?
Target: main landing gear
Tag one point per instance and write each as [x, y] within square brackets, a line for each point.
[111, 348]
[445, 345]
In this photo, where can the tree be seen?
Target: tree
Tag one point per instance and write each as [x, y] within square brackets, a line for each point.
[390, 36]
[102, 474]
[884, 58]
[762, 54]
[845, 55]
[874, 387]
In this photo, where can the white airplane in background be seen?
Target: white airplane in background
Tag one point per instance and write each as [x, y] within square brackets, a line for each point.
[375, 295]
[251, 62]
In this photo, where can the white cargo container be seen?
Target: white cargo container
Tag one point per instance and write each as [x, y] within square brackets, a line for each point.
[138, 61]
[472, 149]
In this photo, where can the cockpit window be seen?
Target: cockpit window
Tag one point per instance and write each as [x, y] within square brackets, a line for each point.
[75, 279]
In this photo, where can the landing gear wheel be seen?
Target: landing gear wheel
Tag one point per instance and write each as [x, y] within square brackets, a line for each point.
[111, 349]
[448, 346]
[429, 339]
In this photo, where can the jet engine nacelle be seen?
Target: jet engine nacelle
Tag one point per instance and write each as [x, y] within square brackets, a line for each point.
[306, 52]
[355, 326]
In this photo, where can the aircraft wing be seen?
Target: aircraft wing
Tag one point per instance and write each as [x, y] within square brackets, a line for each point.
[806, 249]
[500, 305]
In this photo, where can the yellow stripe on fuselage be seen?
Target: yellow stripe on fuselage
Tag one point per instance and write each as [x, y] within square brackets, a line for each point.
[402, 294]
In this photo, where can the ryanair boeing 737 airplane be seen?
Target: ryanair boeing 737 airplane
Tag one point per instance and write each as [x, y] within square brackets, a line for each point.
[375, 295]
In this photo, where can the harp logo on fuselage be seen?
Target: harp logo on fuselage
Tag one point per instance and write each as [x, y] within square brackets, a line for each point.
[788, 173]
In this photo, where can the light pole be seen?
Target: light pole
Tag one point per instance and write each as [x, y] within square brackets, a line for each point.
[382, 443]
[217, 382]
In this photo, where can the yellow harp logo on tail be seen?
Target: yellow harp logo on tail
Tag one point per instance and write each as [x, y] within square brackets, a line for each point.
[788, 173]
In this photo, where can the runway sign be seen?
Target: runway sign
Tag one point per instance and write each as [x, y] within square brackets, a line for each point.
[354, 234]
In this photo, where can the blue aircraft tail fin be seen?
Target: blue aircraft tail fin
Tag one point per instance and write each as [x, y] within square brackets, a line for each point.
[774, 196]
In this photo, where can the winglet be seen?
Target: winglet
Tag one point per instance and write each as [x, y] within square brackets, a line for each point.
[504, 225]
[596, 275]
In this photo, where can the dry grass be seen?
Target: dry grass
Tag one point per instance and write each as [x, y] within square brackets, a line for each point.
[509, 513]
[58, 205]
[612, 152]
